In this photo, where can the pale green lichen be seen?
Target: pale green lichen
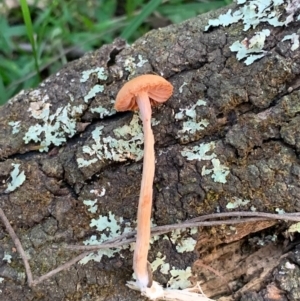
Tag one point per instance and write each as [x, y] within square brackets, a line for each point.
[180, 278]
[236, 203]
[165, 268]
[262, 241]
[107, 223]
[100, 73]
[97, 255]
[183, 241]
[199, 152]
[225, 19]
[294, 228]
[17, 178]
[109, 228]
[251, 49]
[280, 211]
[54, 128]
[84, 163]
[191, 111]
[7, 257]
[252, 13]
[186, 245]
[133, 129]
[70, 96]
[155, 122]
[181, 87]
[274, 237]
[218, 172]
[160, 262]
[131, 66]
[92, 205]
[175, 235]
[40, 109]
[233, 229]
[190, 124]
[77, 110]
[97, 88]
[290, 266]
[92, 93]
[103, 111]
[294, 38]
[127, 146]
[193, 231]
[141, 61]
[35, 94]
[15, 126]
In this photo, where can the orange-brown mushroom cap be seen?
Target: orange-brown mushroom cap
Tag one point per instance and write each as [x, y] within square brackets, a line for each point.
[158, 89]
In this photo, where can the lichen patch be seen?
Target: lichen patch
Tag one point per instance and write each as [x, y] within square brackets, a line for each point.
[190, 124]
[127, 144]
[204, 151]
[252, 13]
[17, 178]
[52, 129]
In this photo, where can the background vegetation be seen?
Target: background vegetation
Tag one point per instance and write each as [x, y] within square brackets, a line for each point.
[37, 37]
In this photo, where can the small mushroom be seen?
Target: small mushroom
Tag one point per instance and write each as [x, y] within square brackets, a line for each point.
[140, 93]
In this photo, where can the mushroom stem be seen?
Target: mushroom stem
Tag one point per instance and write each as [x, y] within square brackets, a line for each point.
[140, 263]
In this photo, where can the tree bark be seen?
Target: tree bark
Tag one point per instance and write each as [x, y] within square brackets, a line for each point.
[229, 136]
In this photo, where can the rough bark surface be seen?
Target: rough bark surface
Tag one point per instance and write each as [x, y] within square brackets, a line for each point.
[251, 117]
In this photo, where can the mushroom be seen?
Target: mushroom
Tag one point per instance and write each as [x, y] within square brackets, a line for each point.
[140, 93]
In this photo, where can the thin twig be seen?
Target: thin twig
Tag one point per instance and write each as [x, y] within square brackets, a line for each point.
[120, 241]
[62, 267]
[286, 216]
[129, 237]
[195, 222]
[18, 245]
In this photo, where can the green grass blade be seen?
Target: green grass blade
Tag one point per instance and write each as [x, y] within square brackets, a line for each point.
[3, 96]
[29, 29]
[140, 18]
